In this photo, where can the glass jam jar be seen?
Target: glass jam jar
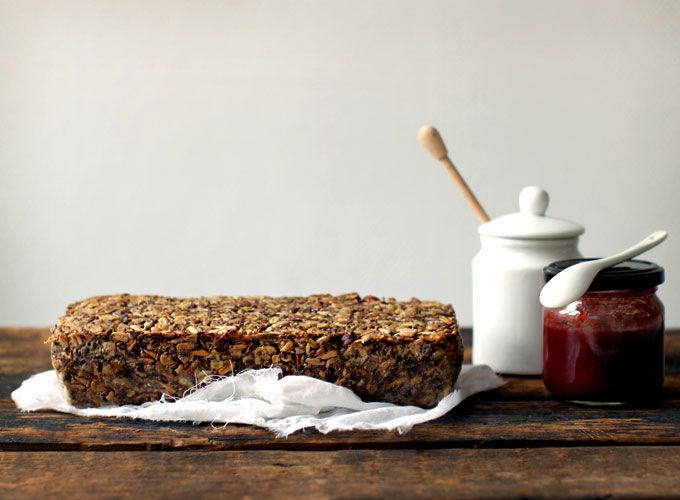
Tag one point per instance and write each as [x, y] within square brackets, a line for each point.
[607, 346]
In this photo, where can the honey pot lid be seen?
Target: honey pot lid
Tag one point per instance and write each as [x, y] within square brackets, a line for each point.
[531, 223]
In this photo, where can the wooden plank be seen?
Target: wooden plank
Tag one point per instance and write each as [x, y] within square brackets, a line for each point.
[483, 421]
[23, 352]
[564, 472]
[520, 414]
[19, 346]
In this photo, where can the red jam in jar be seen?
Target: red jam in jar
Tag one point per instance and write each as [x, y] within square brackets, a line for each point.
[607, 346]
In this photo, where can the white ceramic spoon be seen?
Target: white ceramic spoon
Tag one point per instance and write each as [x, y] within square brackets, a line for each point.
[569, 284]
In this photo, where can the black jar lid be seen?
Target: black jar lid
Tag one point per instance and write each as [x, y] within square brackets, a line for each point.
[628, 275]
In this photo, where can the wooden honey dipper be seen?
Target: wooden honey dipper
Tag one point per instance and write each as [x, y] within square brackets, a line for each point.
[432, 141]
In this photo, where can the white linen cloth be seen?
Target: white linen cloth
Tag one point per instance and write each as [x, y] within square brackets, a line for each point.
[261, 397]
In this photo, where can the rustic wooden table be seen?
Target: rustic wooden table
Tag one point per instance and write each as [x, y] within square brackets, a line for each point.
[513, 442]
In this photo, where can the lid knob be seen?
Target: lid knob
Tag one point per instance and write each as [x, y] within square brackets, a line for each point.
[533, 200]
[531, 223]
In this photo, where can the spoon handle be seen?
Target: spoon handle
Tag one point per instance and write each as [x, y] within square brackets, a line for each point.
[650, 241]
[572, 282]
[432, 141]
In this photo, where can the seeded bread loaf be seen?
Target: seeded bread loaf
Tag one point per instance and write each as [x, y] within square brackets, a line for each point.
[128, 349]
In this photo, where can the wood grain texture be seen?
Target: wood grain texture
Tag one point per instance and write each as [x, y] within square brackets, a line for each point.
[513, 442]
[397, 474]
[519, 414]
[482, 422]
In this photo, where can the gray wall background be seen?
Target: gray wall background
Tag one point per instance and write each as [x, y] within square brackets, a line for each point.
[268, 147]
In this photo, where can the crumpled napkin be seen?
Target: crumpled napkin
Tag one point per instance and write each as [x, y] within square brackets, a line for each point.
[261, 397]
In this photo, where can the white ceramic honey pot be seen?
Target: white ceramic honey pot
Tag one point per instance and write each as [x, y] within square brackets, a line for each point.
[507, 277]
